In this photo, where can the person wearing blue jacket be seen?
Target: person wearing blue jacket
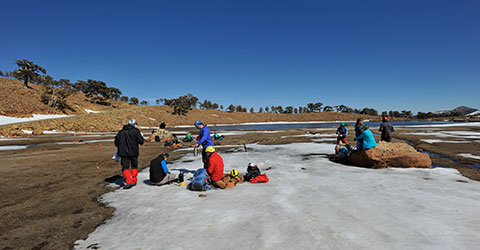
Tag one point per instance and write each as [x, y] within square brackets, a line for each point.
[367, 137]
[204, 139]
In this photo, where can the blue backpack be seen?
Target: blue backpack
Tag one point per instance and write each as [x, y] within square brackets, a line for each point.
[199, 181]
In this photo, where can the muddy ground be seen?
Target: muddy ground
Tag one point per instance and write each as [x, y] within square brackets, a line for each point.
[49, 192]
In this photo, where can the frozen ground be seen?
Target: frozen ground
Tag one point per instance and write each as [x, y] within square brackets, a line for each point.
[469, 156]
[325, 206]
[8, 119]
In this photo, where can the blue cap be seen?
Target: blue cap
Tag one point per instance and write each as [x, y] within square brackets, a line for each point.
[197, 122]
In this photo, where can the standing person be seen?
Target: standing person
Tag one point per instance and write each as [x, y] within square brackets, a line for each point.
[127, 141]
[204, 139]
[367, 137]
[386, 128]
[358, 132]
[159, 173]
[342, 133]
[215, 167]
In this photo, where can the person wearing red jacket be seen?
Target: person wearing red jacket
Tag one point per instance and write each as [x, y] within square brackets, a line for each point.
[215, 167]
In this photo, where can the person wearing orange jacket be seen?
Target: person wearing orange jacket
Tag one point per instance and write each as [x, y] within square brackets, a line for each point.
[215, 167]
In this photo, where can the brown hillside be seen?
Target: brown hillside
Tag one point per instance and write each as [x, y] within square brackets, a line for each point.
[151, 116]
[17, 100]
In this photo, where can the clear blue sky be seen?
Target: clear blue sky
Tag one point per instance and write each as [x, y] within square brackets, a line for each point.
[388, 55]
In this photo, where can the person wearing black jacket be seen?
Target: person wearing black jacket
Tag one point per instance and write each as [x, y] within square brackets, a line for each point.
[127, 141]
[386, 128]
[159, 173]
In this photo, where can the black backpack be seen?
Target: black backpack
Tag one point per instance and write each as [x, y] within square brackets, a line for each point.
[252, 172]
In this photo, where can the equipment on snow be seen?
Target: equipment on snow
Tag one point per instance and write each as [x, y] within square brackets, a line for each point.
[199, 181]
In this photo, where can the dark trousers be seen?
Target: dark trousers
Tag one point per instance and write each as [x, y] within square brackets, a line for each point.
[126, 161]
[387, 139]
[205, 157]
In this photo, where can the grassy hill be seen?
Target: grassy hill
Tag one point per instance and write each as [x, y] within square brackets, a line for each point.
[17, 100]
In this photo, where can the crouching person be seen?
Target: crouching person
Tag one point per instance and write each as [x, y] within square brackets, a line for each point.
[215, 167]
[233, 178]
[159, 174]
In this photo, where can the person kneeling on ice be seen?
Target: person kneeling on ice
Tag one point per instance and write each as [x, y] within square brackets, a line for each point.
[127, 141]
[215, 167]
[159, 174]
[367, 137]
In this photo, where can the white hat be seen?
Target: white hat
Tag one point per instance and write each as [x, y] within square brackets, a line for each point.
[132, 122]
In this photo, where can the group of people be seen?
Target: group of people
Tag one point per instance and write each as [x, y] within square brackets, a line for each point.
[363, 134]
[129, 138]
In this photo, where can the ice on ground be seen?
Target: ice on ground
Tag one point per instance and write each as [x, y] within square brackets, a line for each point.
[469, 156]
[5, 148]
[9, 120]
[457, 134]
[459, 124]
[325, 206]
[89, 111]
[310, 135]
[431, 141]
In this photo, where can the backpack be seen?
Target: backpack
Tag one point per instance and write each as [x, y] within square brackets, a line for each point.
[157, 138]
[252, 172]
[199, 181]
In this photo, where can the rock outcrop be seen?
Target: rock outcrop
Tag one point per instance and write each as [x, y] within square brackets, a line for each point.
[398, 155]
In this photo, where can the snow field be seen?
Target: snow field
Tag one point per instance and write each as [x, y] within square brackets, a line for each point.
[325, 206]
[9, 120]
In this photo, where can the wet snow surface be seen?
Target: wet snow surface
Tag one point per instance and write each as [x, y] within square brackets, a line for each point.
[325, 206]
[8, 119]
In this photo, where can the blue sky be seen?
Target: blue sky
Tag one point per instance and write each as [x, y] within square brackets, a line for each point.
[387, 55]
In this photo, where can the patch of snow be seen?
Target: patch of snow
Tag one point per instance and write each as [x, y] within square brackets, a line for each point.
[89, 111]
[14, 139]
[471, 124]
[457, 134]
[27, 131]
[431, 141]
[325, 206]
[469, 156]
[474, 113]
[9, 120]
[153, 119]
[5, 148]
[310, 135]
[215, 115]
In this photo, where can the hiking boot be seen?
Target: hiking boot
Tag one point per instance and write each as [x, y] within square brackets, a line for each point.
[128, 186]
[197, 186]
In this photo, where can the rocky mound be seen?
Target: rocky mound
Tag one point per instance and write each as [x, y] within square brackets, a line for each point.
[398, 155]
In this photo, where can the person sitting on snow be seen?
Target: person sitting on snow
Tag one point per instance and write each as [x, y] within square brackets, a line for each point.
[217, 136]
[215, 167]
[342, 133]
[159, 174]
[367, 137]
[188, 137]
[160, 135]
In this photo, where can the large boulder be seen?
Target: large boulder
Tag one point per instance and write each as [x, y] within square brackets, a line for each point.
[398, 155]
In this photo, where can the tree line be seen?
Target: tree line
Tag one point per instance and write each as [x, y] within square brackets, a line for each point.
[57, 91]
